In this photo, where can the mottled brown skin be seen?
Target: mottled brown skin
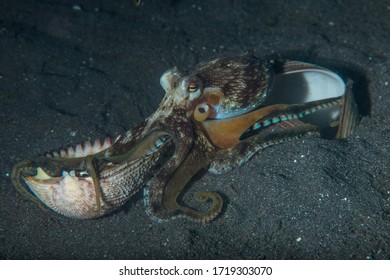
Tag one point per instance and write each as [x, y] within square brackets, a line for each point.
[242, 80]
[173, 118]
[242, 85]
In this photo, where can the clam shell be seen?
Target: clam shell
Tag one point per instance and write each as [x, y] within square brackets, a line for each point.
[300, 82]
[78, 194]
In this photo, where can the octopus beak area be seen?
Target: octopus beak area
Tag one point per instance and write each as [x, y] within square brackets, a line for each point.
[302, 94]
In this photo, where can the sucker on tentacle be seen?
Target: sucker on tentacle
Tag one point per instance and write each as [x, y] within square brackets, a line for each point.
[291, 112]
[216, 117]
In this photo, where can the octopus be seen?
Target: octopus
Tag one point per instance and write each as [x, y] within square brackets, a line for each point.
[215, 116]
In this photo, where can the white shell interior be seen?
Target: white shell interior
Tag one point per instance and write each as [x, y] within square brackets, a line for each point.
[306, 85]
[301, 86]
[320, 84]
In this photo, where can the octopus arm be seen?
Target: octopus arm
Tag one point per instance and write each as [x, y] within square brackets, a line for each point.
[226, 160]
[164, 205]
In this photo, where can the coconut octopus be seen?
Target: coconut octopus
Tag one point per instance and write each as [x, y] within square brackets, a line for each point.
[215, 116]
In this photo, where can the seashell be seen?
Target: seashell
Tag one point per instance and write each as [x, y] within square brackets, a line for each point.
[69, 184]
[301, 83]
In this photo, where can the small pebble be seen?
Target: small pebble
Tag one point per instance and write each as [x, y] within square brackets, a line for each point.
[76, 7]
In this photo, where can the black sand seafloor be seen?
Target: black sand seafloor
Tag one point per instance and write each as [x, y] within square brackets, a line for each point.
[77, 70]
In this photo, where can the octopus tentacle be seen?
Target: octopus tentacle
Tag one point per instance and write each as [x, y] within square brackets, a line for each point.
[159, 189]
[24, 168]
[228, 160]
[288, 123]
[166, 205]
[285, 113]
[96, 185]
[213, 211]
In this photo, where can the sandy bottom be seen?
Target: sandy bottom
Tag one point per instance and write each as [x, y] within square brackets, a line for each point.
[72, 73]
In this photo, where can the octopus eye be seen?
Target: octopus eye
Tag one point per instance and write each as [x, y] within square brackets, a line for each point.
[202, 112]
[193, 87]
